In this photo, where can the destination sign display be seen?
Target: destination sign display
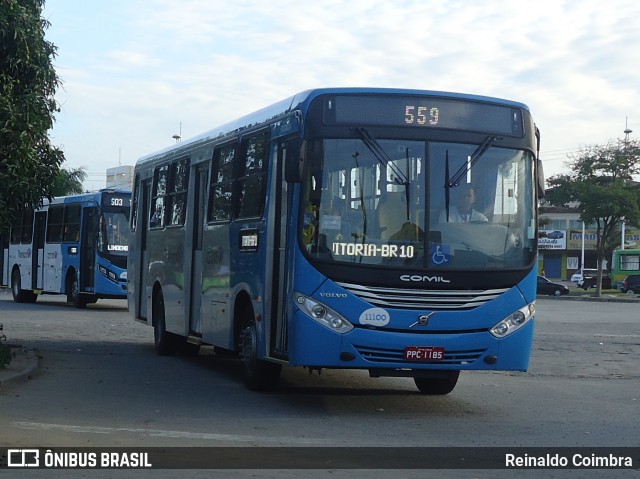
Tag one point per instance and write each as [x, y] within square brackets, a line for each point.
[115, 200]
[424, 112]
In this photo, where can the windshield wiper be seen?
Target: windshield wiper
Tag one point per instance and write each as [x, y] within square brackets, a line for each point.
[475, 156]
[453, 181]
[385, 160]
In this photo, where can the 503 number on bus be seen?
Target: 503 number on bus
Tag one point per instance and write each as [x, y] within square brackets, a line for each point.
[421, 115]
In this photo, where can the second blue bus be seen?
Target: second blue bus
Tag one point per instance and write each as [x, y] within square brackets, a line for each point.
[74, 245]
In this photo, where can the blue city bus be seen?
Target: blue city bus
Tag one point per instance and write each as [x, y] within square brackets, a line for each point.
[74, 245]
[329, 231]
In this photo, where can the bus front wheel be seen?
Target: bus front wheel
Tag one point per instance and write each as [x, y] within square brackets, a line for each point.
[73, 291]
[78, 300]
[259, 375]
[164, 341]
[21, 295]
[438, 386]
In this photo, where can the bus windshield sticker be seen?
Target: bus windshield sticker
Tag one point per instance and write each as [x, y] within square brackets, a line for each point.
[440, 254]
[249, 240]
[374, 250]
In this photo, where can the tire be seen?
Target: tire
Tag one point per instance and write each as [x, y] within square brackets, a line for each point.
[557, 292]
[259, 375]
[165, 343]
[21, 295]
[77, 299]
[438, 386]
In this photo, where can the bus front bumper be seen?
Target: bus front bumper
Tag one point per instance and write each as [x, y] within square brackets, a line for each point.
[315, 345]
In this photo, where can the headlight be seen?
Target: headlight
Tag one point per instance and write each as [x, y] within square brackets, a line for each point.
[108, 273]
[323, 314]
[514, 321]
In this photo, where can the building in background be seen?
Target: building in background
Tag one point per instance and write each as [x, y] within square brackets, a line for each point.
[560, 243]
[120, 177]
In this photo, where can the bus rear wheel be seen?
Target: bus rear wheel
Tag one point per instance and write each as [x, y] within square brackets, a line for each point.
[259, 375]
[21, 295]
[438, 386]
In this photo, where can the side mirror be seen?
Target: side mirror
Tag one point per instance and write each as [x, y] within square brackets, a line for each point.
[292, 155]
[539, 168]
[540, 179]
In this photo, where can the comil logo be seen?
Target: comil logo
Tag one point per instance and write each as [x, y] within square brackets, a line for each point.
[23, 458]
[375, 317]
[416, 278]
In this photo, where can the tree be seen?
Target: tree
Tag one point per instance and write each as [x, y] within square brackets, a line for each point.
[69, 182]
[28, 162]
[602, 184]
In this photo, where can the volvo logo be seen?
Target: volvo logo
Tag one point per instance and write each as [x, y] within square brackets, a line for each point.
[416, 278]
[423, 319]
[334, 295]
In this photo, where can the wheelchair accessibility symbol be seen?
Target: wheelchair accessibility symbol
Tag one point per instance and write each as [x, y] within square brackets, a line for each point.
[440, 254]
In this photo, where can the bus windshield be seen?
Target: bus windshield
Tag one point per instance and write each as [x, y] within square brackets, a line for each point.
[113, 234]
[418, 204]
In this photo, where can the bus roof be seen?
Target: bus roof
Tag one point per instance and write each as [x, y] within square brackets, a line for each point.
[93, 195]
[301, 100]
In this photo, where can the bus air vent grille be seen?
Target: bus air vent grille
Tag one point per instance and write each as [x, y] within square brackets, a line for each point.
[422, 299]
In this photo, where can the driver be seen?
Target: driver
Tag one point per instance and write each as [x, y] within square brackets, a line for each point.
[462, 210]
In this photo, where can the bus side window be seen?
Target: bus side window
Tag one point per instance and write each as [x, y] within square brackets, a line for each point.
[16, 234]
[158, 198]
[221, 184]
[27, 226]
[71, 232]
[55, 220]
[177, 197]
[253, 177]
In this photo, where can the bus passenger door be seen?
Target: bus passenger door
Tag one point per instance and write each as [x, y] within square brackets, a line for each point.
[276, 279]
[88, 241]
[141, 257]
[40, 226]
[197, 260]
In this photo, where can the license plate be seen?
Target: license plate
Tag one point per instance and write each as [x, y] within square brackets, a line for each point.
[423, 353]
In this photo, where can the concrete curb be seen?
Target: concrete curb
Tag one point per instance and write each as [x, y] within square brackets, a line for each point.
[22, 367]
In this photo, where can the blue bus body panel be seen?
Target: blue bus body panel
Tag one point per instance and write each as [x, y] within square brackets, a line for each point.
[106, 286]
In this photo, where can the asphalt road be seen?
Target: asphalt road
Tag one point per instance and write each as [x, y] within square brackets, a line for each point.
[100, 384]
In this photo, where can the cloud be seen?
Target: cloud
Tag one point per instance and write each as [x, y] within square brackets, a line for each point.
[135, 70]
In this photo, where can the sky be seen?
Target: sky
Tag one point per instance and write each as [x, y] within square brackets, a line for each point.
[135, 73]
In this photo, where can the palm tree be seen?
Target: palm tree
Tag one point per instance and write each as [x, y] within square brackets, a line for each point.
[69, 181]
